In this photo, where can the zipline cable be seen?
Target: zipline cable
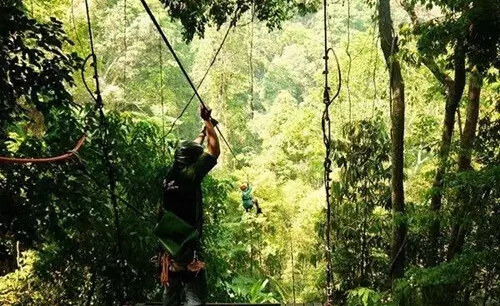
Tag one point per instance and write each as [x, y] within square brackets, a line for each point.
[327, 141]
[200, 83]
[121, 199]
[184, 72]
[368, 71]
[172, 51]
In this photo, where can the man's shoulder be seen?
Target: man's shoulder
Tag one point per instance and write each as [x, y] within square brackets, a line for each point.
[208, 157]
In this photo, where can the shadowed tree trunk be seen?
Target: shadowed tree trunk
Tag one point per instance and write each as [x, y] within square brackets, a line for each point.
[459, 229]
[454, 90]
[389, 47]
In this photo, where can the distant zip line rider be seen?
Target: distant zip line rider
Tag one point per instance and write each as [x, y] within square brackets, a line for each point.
[182, 272]
[247, 200]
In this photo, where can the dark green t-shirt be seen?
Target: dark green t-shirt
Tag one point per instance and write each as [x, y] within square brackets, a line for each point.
[182, 190]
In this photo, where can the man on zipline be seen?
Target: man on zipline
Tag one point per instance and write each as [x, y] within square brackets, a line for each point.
[183, 198]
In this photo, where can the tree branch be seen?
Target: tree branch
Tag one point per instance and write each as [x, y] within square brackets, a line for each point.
[440, 75]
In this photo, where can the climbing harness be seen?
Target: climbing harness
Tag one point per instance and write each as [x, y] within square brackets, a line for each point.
[327, 141]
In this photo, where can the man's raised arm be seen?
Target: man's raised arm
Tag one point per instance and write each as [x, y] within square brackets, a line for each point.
[213, 146]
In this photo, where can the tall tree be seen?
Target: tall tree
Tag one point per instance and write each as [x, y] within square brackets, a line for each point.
[453, 91]
[388, 42]
[464, 30]
[467, 138]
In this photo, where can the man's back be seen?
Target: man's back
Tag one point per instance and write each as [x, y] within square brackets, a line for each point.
[182, 189]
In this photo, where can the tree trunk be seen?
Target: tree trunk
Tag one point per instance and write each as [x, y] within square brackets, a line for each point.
[389, 48]
[464, 160]
[454, 91]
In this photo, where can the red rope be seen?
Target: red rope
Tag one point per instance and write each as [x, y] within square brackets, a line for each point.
[14, 160]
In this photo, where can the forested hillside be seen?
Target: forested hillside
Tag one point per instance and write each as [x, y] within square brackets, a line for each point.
[415, 197]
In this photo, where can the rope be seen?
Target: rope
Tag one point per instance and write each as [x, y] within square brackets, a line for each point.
[67, 155]
[327, 141]
[374, 75]
[350, 58]
[459, 121]
[107, 158]
[200, 83]
[251, 61]
[125, 48]
[172, 51]
[186, 75]
[163, 145]
[74, 25]
[293, 267]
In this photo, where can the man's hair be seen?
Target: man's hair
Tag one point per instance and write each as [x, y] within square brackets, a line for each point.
[187, 153]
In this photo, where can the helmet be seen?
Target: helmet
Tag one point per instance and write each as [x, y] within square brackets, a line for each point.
[243, 187]
[187, 152]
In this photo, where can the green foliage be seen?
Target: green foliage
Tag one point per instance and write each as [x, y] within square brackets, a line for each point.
[195, 16]
[23, 287]
[34, 70]
[61, 215]
[361, 195]
[467, 23]
[243, 289]
[364, 296]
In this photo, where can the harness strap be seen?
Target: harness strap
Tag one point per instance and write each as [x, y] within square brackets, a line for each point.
[165, 263]
[168, 265]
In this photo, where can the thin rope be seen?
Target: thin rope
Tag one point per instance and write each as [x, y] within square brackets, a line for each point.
[374, 76]
[459, 121]
[74, 24]
[127, 204]
[327, 141]
[162, 102]
[125, 48]
[251, 61]
[186, 75]
[105, 145]
[350, 58]
[200, 83]
[373, 59]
